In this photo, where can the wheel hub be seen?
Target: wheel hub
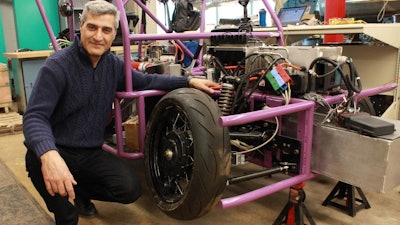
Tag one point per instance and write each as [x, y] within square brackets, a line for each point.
[168, 154]
[174, 153]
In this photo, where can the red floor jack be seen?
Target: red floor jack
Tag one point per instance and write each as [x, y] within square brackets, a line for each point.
[295, 209]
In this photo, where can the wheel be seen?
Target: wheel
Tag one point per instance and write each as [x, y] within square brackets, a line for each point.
[187, 155]
[366, 105]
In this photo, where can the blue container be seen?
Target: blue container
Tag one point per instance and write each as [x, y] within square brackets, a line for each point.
[262, 17]
[192, 46]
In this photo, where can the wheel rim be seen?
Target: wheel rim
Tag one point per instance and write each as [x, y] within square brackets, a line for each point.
[171, 155]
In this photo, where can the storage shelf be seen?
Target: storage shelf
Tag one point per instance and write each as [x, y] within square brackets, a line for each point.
[387, 33]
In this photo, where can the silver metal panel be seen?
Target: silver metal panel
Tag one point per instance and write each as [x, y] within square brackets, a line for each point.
[366, 162]
[304, 55]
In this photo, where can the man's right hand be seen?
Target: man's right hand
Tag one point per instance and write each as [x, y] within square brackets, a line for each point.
[57, 177]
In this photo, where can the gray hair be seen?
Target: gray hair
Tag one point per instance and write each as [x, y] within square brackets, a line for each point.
[100, 7]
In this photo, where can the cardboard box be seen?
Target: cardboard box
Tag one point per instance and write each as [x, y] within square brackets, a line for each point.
[4, 80]
[131, 127]
[5, 94]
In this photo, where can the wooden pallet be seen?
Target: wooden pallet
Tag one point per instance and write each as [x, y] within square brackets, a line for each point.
[10, 123]
[5, 108]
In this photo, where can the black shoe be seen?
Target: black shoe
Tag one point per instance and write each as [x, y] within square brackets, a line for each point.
[86, 209]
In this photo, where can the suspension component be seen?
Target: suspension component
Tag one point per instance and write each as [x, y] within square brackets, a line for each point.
[225, 99]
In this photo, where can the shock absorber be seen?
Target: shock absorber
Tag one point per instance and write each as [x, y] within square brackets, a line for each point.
[225, 99]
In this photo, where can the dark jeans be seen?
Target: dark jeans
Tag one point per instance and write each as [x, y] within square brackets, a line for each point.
[99, 174]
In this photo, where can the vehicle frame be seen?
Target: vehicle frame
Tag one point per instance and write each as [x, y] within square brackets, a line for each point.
[304, 109]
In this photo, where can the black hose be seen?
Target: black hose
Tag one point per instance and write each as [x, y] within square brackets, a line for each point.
[242, 96]
[348, 82]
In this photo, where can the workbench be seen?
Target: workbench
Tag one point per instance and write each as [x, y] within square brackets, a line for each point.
[25, 67]
[377, 62]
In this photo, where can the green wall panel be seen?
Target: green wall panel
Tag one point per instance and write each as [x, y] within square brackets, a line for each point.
[2, 41]
[31, 31]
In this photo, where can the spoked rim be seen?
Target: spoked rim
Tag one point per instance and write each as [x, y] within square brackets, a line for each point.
[187, 156]
[172, 155]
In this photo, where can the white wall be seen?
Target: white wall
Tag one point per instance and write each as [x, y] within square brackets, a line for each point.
[223, 9]
[10, 35]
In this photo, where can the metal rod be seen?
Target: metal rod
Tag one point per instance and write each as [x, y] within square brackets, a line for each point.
[263, 173]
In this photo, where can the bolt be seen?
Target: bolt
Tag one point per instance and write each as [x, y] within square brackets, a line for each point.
[169, 154]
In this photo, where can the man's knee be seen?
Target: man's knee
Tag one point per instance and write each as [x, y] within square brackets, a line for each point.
[64, 218]
[132, 192]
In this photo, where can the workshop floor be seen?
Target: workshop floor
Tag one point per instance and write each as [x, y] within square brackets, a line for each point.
[385, 208]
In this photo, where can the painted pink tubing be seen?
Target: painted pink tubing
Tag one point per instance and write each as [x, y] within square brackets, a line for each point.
[265, 191]
[304, 108]
[47, 24]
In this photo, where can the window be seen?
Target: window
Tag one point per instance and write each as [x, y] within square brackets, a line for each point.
[217, 9]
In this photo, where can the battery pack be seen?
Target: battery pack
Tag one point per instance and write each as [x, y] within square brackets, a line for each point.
[364, 123]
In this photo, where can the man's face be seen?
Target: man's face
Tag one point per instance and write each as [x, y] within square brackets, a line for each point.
[97, 34]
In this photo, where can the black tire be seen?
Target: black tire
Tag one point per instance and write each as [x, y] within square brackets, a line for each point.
[366, 105]
[187, 155]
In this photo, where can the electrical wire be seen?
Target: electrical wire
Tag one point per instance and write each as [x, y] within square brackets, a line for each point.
[177, 50]
[235, 73]
[61, 43]
[255, 86]
[349, 81]
[382, 12]
[261, 145]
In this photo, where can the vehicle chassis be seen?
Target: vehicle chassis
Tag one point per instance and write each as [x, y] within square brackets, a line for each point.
[304, 109]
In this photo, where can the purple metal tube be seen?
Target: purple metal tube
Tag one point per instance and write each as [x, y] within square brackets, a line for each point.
[305, 135]
[139, 95]
[277, 22]
[47, 24]
[126, 45]
[190, 36]
[140, 106]
[159, 23]
[205, 35]
[125, 155]
[362, 94]
[119, 151]
[71, 24]
[142, 122]
[151, 15]
[243, 118]
[118, 126]
[265, 191]
[305, 111]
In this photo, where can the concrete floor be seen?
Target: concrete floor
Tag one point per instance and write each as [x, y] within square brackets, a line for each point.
[385, 208]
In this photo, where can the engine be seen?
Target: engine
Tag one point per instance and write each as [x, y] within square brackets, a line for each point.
[251, 67]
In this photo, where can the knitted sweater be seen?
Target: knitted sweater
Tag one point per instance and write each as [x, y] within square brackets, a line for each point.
[71, 101]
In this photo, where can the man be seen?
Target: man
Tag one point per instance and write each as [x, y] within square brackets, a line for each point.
[66, 116]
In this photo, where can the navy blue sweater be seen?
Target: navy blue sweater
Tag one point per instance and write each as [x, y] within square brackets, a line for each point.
[71, 100]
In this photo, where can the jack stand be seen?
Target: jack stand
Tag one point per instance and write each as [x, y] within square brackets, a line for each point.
[346, 192]
[292, 213]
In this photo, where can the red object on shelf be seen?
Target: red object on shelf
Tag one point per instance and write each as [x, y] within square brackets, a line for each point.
[334, 9]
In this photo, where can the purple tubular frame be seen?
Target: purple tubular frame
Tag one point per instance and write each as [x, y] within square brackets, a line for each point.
[47, 24]
[177, 37]
[303, 108]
